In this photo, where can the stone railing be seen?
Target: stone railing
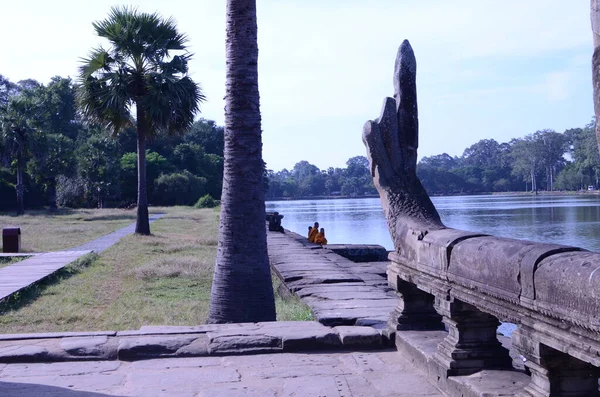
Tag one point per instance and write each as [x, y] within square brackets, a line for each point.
[457, 286]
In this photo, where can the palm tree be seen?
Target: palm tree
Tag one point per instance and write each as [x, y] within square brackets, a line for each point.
[242, 289]
[138, 71]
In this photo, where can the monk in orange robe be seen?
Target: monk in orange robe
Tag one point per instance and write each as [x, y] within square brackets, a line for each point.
[313, 232]
[320, 238]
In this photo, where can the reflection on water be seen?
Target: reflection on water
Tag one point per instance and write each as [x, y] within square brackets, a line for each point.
[569, 220]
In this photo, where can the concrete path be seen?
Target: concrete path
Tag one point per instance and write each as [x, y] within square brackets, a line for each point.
[369, 374]
[338, 290]
[100, 244]
[20, 275]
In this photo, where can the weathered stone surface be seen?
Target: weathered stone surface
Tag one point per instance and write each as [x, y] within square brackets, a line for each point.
[489, 264]
[23, 353]
[132, 348]
[50, 335]
[360, 252]
[86, 346]
[359, 336]
[343, 374]
[577, 295]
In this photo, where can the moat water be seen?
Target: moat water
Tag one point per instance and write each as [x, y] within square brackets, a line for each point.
[562, 219]
[569, 219]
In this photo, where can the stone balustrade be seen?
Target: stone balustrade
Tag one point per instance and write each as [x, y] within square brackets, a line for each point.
[455, 287]
[467, 283]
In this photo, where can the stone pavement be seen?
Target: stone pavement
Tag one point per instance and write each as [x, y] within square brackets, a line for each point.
[338, 290]
[369, 374]
[195, 341]
[20, 275]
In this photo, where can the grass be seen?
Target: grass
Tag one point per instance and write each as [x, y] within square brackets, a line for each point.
[9, 260]
[162, 279]
[43, 231]
[288, 306]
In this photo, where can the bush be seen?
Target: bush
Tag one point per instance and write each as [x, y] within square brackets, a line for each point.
[206, 202]
[70, 192]
[179, 188]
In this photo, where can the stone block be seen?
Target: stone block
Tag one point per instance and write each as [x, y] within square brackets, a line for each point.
[358, 336]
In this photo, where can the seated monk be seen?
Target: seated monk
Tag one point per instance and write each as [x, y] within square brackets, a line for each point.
[313, 232]
[320, 238]
[309, 229]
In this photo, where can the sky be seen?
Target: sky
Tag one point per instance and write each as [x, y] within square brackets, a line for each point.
[485, 69]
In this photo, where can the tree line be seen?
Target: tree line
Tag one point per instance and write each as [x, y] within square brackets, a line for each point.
[58, 158]
[63, 160]
[545, 160]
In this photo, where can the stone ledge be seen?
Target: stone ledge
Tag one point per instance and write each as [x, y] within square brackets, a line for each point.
[419, 347]
[205, 340]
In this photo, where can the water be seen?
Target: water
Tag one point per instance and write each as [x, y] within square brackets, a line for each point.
[569, 220]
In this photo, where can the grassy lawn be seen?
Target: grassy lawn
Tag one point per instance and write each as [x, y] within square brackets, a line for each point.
[163, 279]
[43, 231]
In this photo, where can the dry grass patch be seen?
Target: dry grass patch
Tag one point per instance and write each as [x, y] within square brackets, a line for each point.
[162, 279]
[43, 231]
[139, 281]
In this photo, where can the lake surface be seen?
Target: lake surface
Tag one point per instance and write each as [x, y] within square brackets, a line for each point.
[569, 220]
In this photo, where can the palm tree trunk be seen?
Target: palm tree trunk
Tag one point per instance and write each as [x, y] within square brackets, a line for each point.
[142, 225]
[242, 290]
[20, 187]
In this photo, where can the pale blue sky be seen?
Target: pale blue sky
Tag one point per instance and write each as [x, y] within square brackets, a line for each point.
[486, 69]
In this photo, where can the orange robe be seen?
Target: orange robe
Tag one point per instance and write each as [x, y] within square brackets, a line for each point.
[313, 233]
[320, 239]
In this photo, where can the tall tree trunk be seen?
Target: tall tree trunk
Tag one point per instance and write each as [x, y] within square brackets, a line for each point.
[242, 290]
[52, 194]
[20, 187]
[142, 225]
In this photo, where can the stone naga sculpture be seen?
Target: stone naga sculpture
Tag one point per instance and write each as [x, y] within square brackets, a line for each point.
[468, 281]
[595, 17]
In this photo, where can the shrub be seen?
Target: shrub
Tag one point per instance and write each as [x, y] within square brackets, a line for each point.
[206, 202]
[178, 188]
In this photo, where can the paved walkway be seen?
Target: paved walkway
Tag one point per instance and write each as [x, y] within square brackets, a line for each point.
[372, 374]
[338, 290]
[21, 275]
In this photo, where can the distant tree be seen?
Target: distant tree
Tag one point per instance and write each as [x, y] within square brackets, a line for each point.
[138, 70]
[207, 134]
[526, 159]
[552, 146]
[53, 158]
[98, 167]
[17, 136]
[156, 165]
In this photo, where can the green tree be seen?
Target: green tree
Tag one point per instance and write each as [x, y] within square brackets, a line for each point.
[242, 290]
[98, 166]
[155, 166]
[526, 159]
[55, 158]
[207, 134]
[552, 146]
[18, 136]
[138, 71]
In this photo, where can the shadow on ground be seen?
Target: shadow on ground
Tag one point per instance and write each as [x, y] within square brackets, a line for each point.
[9, 389]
